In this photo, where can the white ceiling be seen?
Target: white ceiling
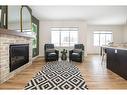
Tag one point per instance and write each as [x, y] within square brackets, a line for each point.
[98, 15]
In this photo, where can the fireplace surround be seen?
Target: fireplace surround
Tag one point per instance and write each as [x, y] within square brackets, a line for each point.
[8, 38]
[18, 55]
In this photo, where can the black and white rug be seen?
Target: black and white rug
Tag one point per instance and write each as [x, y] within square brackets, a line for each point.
[61, 75]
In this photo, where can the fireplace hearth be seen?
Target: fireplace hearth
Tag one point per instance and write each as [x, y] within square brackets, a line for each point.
[18, 55]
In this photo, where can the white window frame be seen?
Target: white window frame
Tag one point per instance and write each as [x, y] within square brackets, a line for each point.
[102, 32]
[62, 29]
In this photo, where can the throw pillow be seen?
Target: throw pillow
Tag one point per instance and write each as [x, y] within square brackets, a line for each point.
[50, 50]
[77, 50]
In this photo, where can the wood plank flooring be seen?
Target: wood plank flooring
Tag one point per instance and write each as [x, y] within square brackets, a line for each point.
[95, 74]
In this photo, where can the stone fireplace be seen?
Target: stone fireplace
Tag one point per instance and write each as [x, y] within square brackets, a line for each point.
[10, 43]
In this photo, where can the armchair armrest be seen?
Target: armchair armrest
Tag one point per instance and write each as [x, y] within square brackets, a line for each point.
[80, 52]
[56, 51]
[71, 51]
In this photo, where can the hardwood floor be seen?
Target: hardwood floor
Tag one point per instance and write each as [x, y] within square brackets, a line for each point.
[95, 74]
[21, 79]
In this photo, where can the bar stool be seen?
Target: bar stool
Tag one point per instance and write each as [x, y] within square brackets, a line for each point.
[103, 54]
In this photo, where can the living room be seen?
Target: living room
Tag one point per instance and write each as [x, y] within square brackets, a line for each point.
[94, 27]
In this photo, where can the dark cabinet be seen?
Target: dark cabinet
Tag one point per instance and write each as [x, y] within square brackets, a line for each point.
[112, 60]
[117, 61]
[35, 42]
[122, 60]
[3, 17]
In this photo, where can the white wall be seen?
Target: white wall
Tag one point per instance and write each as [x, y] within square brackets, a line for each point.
[85, 34]
[45, 35]
[125, 34]
[117, 35]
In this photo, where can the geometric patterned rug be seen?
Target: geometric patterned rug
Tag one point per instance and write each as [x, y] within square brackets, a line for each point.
[57, 75]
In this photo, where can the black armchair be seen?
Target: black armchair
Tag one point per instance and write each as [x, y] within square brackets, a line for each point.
[77, 54]
[50, 53]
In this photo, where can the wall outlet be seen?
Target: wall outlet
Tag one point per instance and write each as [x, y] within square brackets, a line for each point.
[115, 50]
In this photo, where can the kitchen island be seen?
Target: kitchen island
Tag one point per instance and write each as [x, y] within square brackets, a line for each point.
[117, 60]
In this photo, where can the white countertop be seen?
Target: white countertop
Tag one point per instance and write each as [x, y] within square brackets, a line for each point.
[116, 47]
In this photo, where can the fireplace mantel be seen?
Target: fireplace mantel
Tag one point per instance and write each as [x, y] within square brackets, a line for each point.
[15, 33]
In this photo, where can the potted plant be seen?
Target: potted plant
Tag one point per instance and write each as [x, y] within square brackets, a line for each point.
[64, 54]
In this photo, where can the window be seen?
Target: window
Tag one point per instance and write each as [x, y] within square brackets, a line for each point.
[64, 36]
[102, 38]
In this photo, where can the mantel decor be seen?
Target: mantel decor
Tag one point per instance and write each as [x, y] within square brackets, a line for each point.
[23, 17]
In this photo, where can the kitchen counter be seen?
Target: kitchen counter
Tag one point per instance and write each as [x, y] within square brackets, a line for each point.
[117, 60]
[116, 47]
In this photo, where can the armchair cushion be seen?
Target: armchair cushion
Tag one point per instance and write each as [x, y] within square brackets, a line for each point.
[77, 50]
[75, 55]
[50, 50]
[52, 54]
